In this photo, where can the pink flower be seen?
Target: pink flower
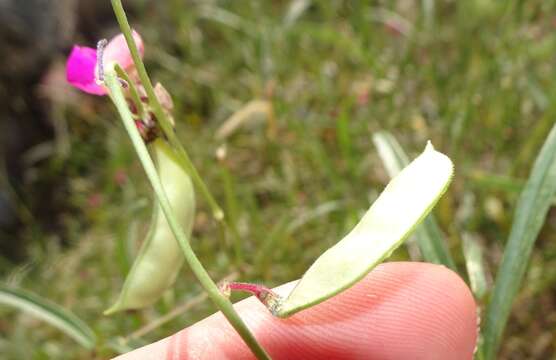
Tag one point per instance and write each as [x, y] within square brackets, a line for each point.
[81, 67]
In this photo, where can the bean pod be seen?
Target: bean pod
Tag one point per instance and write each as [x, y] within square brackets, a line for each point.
[404, 203]
[160, 257]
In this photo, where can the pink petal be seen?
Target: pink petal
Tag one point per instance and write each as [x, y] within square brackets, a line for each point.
[80, 70]
[117, 50]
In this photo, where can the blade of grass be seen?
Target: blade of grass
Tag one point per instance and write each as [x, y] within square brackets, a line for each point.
[232, 211]
[345, 139]
[295, 10]
[530, 214]
[313, 214]
[276, 233]
[428, 7]
[429, 236]
[287, 226]
[473, 253]
[49, 312]
[495, 182]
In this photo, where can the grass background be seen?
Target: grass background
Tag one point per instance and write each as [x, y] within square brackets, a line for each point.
[475, 77]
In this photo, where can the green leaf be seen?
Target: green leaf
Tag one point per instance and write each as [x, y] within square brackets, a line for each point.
[532, 207]
[403, 204]
[429, 236]
[50, 312]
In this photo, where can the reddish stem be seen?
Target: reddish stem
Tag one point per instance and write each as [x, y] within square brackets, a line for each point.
[265, 295]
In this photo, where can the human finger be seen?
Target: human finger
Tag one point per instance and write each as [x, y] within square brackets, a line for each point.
[401, 310]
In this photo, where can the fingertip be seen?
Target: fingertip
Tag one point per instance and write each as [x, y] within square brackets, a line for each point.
[400, 310]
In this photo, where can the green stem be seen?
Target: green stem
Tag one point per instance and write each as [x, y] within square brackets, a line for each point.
[132, 91]
[221, 302]
[165, 123]
[168, 130]
[231, 210]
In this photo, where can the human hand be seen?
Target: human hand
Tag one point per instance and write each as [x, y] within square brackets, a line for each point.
[401, 310]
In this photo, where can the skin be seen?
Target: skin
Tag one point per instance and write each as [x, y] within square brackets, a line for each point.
[401, 310]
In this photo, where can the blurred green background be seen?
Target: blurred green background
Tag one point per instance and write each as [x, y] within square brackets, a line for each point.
[475, 77]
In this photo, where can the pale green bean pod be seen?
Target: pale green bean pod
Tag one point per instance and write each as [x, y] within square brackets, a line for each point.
[160, 257]
[402, 205]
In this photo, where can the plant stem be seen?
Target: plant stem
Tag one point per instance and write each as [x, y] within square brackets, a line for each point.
[221, 302]
[168, 130]
[132, 91]
[176, 311]
[231, 210]
[165, 123]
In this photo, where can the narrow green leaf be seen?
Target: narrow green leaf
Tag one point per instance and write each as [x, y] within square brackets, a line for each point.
[232, 211]
[532, 207]
[473, 253]
[495, 182]
[403, 204]
[50, 312]
[429, 236]
[391, 152]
